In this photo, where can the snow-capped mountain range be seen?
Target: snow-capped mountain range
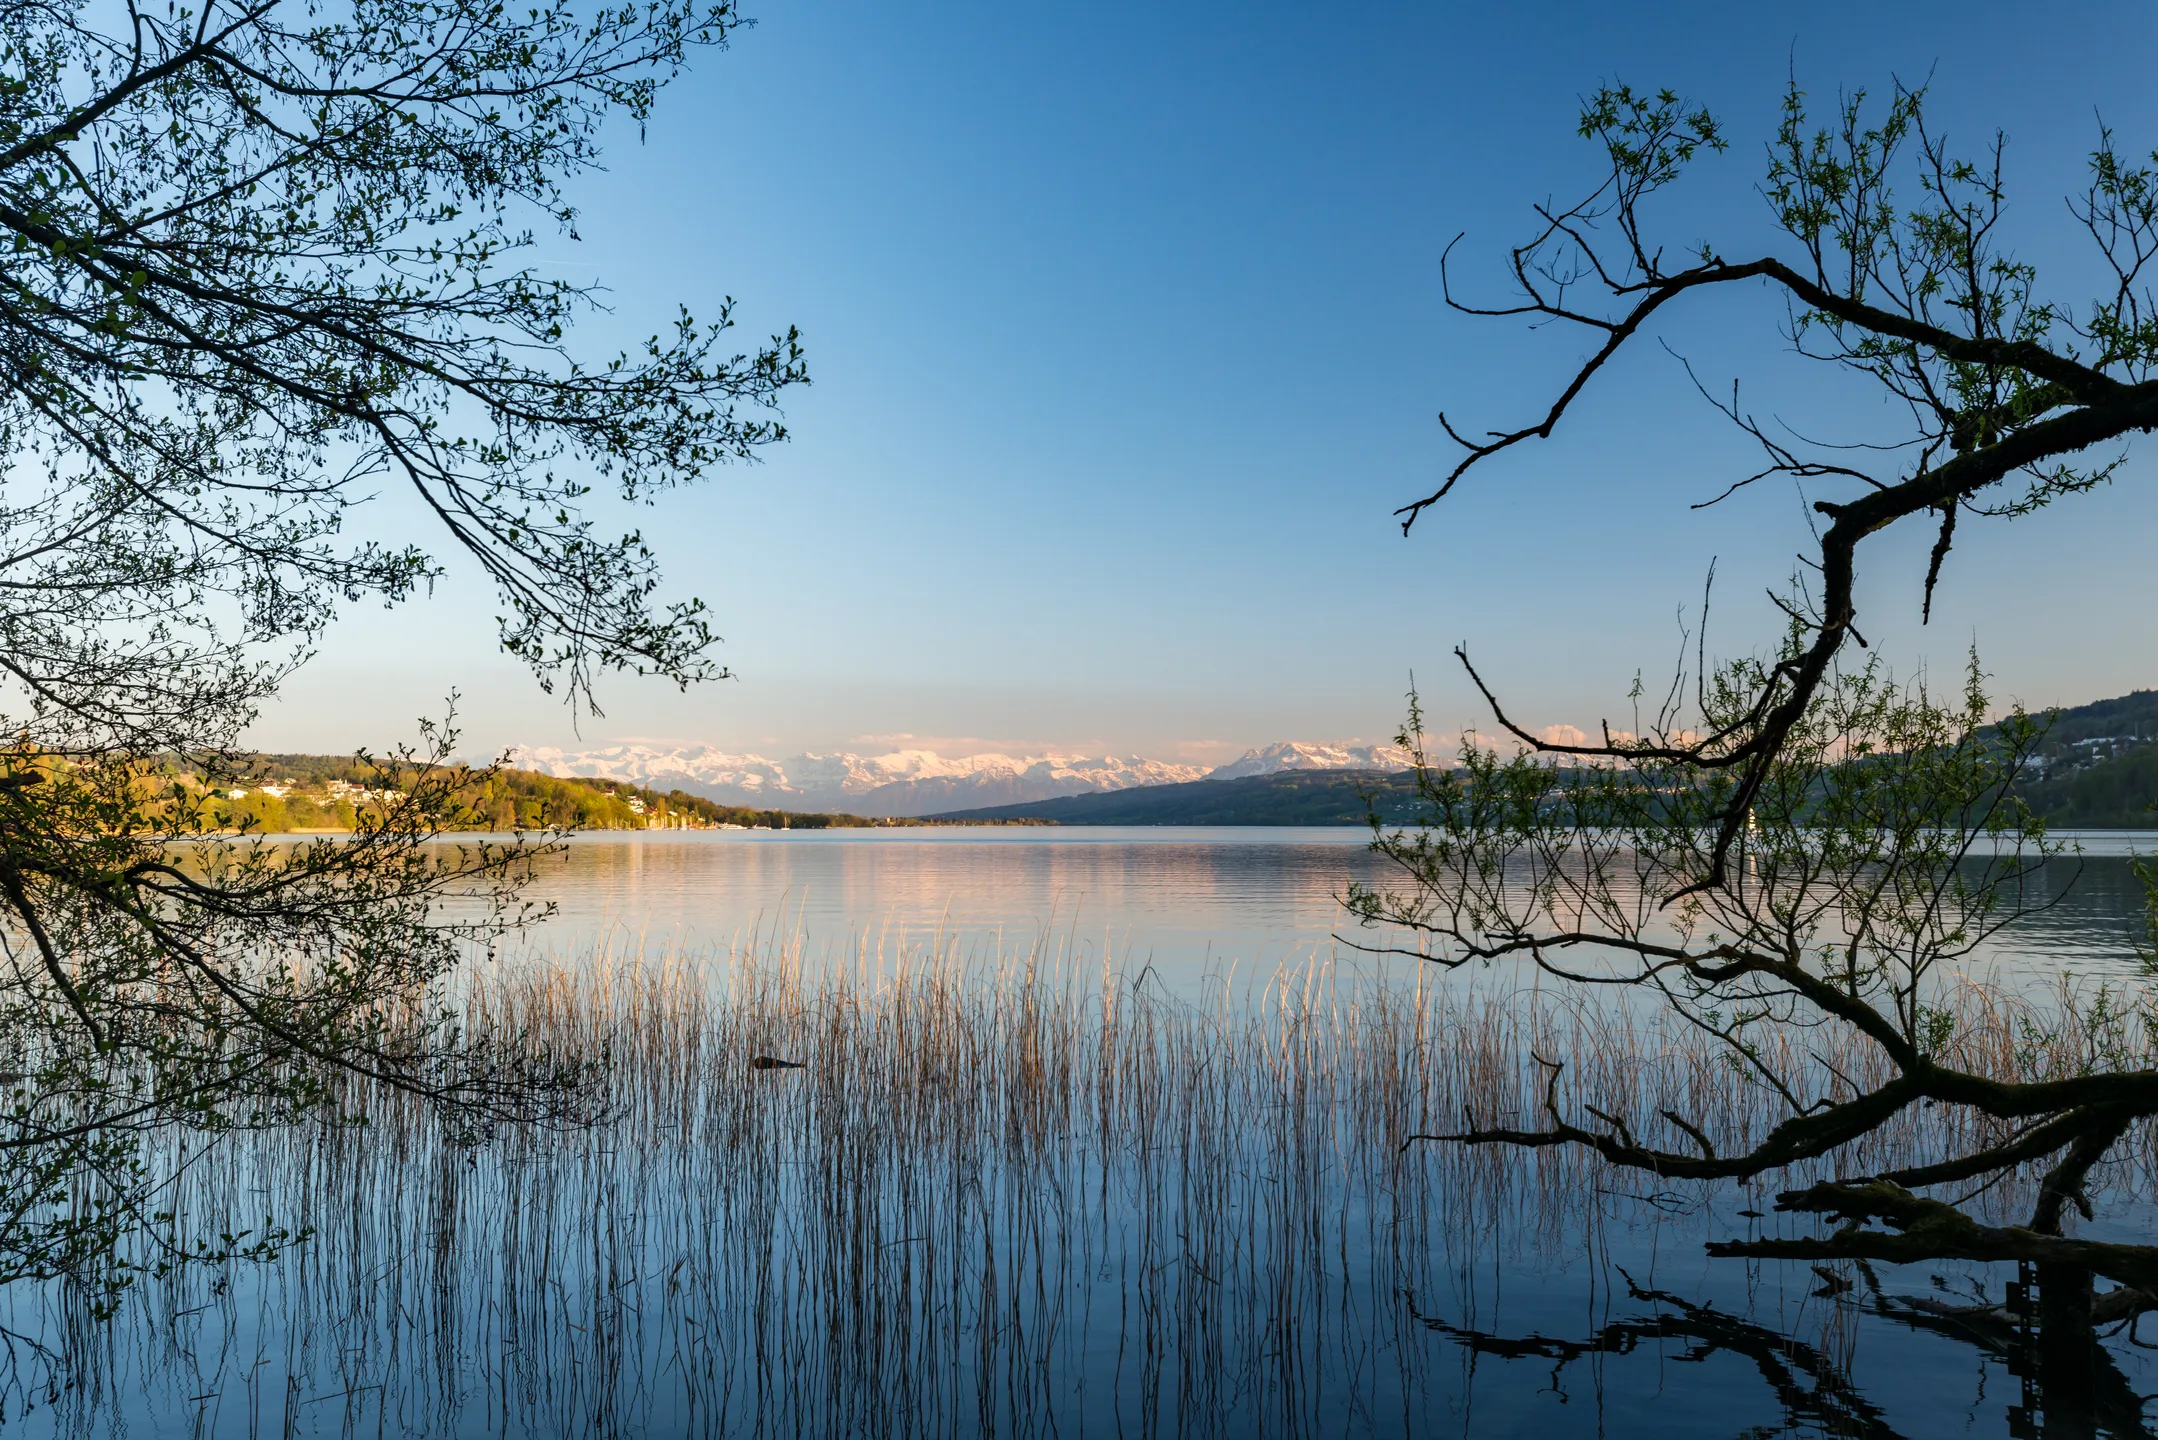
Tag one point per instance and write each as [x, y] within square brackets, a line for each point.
[1305, 755]
[921, 782]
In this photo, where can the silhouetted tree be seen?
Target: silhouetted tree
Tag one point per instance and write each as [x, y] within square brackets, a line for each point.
[1796, 845]
[263, 258]
[2003, 392]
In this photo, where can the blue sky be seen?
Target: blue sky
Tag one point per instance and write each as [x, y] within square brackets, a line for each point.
[1127, 338]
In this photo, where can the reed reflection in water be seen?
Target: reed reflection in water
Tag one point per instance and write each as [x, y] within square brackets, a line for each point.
[1009, 1193]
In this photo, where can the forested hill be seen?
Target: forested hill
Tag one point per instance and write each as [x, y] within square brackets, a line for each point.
[2134, 715]
[2099, 765]
[2098, 770]
[1289, 797]
[283, 794]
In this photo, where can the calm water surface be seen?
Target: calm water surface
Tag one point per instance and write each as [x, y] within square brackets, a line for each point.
[1183, 900]
[1189, 901]
[1251, 1276]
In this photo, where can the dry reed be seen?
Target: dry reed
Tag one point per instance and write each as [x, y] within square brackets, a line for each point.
[1004, 1194]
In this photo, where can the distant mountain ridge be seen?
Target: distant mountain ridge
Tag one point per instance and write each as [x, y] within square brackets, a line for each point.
[921, 782]
[1285, 797]
[2097, 767]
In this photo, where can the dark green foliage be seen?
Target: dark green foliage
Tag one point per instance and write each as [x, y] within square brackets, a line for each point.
[2097, 767]
[1293, 797]
[710, 812]
[2132, 716]
[2117, 792]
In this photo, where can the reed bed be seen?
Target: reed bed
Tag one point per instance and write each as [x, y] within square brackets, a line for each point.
[1004, 1194]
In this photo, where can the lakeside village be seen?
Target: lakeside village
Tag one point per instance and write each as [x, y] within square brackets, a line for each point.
[300, 794]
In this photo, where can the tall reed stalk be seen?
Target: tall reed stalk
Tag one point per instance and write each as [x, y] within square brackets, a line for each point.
[1005, 1193]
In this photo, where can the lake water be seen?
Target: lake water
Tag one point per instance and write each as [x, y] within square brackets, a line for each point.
[1007, 1228]
[1188, 901]
[1184, 900]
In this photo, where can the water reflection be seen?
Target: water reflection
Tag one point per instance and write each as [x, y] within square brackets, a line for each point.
[1185, 900]
[1813, 1386]
[1079, 1211]
[989, 1206]
[2095, 918]
[1189, 901]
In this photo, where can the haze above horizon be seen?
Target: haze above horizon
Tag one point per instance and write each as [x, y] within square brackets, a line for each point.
[1127, 340]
